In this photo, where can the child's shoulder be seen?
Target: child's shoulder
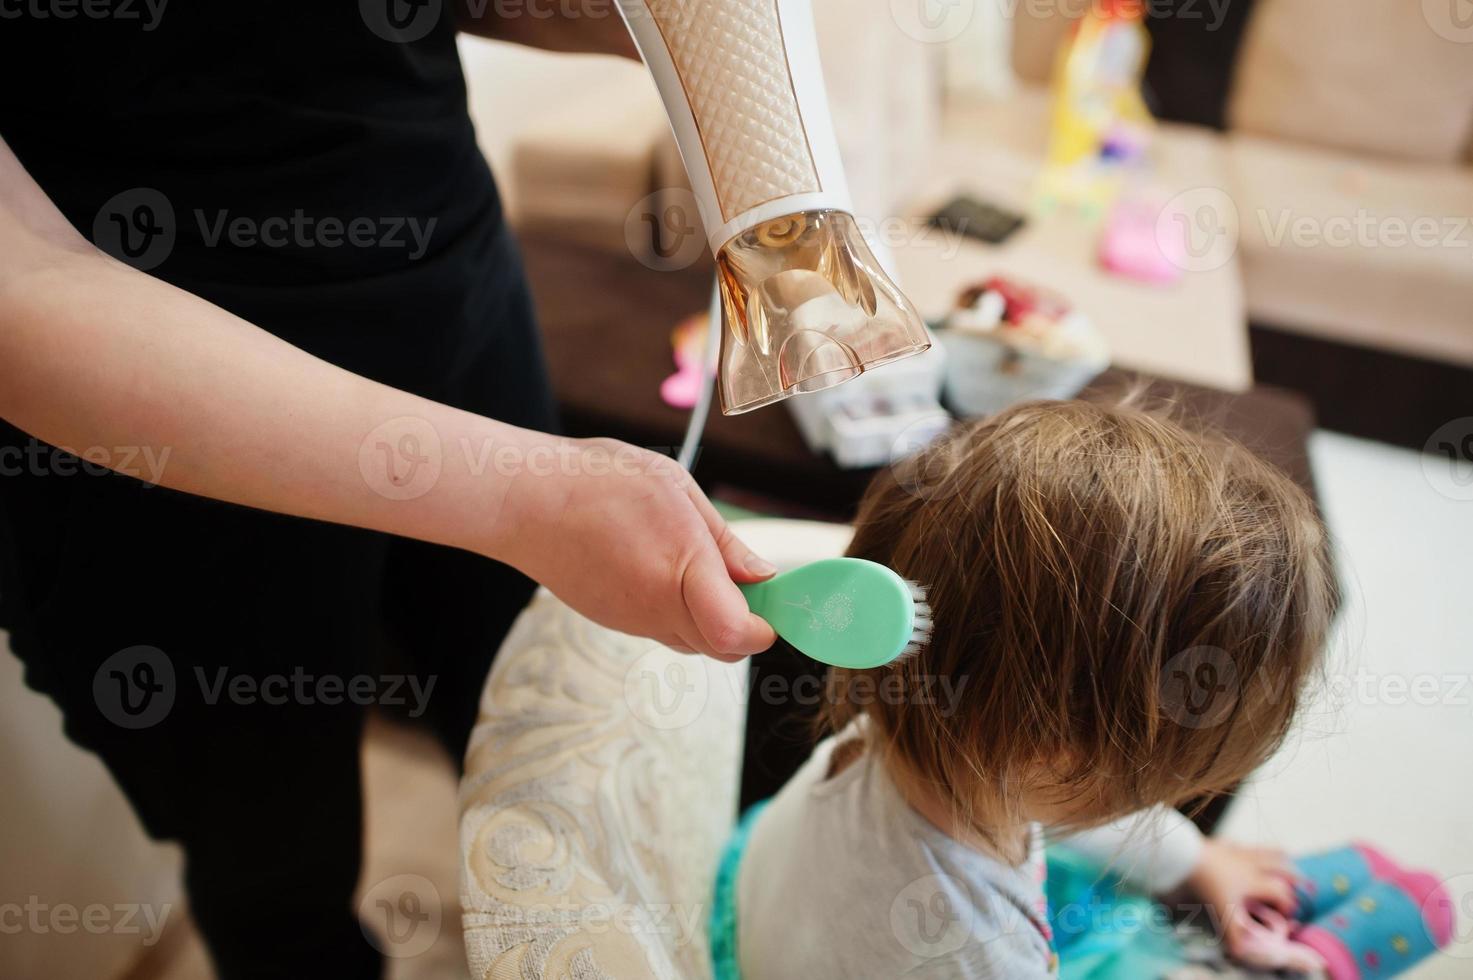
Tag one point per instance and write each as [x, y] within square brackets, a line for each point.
[840, 835]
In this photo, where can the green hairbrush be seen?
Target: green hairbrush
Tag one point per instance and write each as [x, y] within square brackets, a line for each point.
[845, 612]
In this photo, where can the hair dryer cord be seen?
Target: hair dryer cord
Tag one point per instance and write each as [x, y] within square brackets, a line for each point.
[697, 424]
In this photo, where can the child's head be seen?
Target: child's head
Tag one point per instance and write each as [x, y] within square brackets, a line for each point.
[1128, 609]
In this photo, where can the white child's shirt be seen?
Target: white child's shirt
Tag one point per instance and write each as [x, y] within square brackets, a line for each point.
[841, 878]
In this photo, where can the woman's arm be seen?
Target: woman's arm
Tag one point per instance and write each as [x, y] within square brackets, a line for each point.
[95, 354]
[585, 27]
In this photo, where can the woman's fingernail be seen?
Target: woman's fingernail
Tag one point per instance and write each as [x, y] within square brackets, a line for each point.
[760, 566]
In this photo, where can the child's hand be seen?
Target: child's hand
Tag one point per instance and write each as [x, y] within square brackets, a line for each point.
[1228, 876]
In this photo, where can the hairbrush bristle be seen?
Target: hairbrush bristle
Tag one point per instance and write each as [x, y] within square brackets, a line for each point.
[920, 633]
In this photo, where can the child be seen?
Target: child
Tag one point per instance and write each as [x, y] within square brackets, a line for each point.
[1124, 614]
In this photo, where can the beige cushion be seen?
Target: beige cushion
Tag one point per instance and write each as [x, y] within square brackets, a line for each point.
[583, 167]
[517, 93]
[1328, 248]
[884, 91]
[1038, 30]
[1365, 75]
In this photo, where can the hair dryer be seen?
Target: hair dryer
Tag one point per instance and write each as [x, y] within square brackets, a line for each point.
[805, 305]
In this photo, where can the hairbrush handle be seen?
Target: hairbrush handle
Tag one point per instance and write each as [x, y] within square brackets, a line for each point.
[744, 91]
[844, 612]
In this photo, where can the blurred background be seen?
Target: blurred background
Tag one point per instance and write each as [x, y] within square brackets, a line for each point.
[1261, 207]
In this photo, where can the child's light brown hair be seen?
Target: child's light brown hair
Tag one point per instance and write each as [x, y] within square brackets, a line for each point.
[1131, 607]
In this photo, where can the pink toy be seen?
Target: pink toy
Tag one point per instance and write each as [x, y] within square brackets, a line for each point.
[683, 388]
[1144, 242]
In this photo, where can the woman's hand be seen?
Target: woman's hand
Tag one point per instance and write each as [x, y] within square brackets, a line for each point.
[624, 536]
[1228, 876]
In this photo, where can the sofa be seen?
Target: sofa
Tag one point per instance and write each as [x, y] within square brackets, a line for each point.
[1340, 134]
[1345, 129]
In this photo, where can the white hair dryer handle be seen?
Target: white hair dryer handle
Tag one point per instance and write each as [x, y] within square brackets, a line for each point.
[743, 87]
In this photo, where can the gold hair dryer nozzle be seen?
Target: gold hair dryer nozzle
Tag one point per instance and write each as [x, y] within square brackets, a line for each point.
[805, 304]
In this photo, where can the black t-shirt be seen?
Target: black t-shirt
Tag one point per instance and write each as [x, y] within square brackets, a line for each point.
[308, 164]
